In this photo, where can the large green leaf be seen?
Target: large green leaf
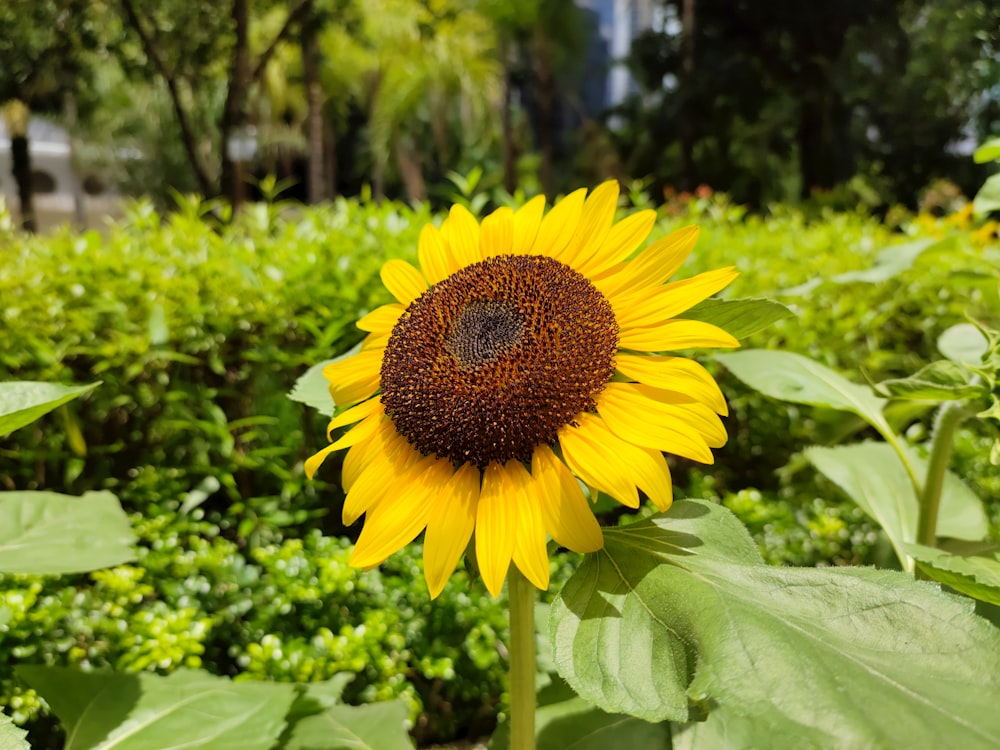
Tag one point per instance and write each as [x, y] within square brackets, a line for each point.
[989, 151]
[186, 709]
[739, 317]
[678, 615]
[11, 737]
[574, 723]
[939, 381]
[988, 197]
[45, 532]
[963, 344]
[874, 477]
[378, 726]
[792, 377]
[312, 389]
[890, 262]
[976, 575]
[22, 402]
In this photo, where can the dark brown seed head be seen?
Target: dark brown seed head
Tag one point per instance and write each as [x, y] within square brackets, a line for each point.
[489, 363]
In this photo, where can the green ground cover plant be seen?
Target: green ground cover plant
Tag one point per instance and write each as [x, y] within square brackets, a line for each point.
[198, 326]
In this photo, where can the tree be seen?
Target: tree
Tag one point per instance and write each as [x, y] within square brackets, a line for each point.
[185, 43]
[42, 66]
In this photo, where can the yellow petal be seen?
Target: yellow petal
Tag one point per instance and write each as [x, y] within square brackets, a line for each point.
[560, 224]
[589, 450]
[655, 306]
[387, 464]
[354, 378]
[627, 465]
[497, 234]
[313, 462]
[651, 267]
[360, 455]
[526, 222]
[451, 519]
[496, 526]
[677, 374]
[642, 421]
[621, 242]
[362, 431]
[461, 231]
[402, 515]
[403, 281]
[565, 513]
[530, 554]
[675, 334]
[434, 257]
[594, 225]
[354, 414]
[382, 319]
[375, 341]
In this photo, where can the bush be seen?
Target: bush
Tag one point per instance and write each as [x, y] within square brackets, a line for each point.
[198, 328]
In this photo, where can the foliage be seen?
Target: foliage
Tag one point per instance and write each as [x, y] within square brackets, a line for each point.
[199, 323]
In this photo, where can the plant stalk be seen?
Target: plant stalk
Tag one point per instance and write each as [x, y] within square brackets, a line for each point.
[522, 660]
[943, 441]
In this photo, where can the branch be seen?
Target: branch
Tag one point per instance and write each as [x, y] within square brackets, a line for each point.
[297, 12]
[187, 133]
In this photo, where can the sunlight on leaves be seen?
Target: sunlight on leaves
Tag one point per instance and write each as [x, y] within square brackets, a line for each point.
[678, 615]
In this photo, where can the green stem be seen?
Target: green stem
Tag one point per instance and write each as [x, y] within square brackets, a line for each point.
[522, 660]
[942, 442]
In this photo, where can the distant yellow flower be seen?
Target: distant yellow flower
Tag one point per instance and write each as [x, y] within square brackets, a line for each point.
[519, 355]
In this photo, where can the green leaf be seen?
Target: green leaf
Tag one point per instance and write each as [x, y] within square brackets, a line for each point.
[977, 575]
[22, 402]
[377, 726]
[678, 614]
[890, 262]
[186, 709]
[989, 151]
[939, 381]
[574, 723]
[963, 344]
[988, 197]
[312, 389]
[12, 737]
[49, 533]
[792, 377]
[874, 477]
[739, 317]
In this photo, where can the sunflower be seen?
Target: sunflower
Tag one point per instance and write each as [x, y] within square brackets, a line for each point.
[521, 357]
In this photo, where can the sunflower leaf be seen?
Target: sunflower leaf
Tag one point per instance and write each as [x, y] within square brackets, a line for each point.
[11, 737]
[975, 575]
[678, 615]
[874, 477]
[739, 317]
[574, 723]
[939, 381]
[188, 709]
[792, 377]
[49, 533]
[378, 726]
[22, 402]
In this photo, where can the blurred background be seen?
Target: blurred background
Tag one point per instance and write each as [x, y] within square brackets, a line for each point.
[852, 102]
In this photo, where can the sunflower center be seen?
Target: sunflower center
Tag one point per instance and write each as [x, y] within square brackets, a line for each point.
[485, 328]
[492, 361]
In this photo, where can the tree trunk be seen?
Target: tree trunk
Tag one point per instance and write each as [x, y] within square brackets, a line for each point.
[21, 169]
[315, 189]
[545, 101]
[187, 132]
[233, 114]
[409, 169]
[687, 115]
[507, 129]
